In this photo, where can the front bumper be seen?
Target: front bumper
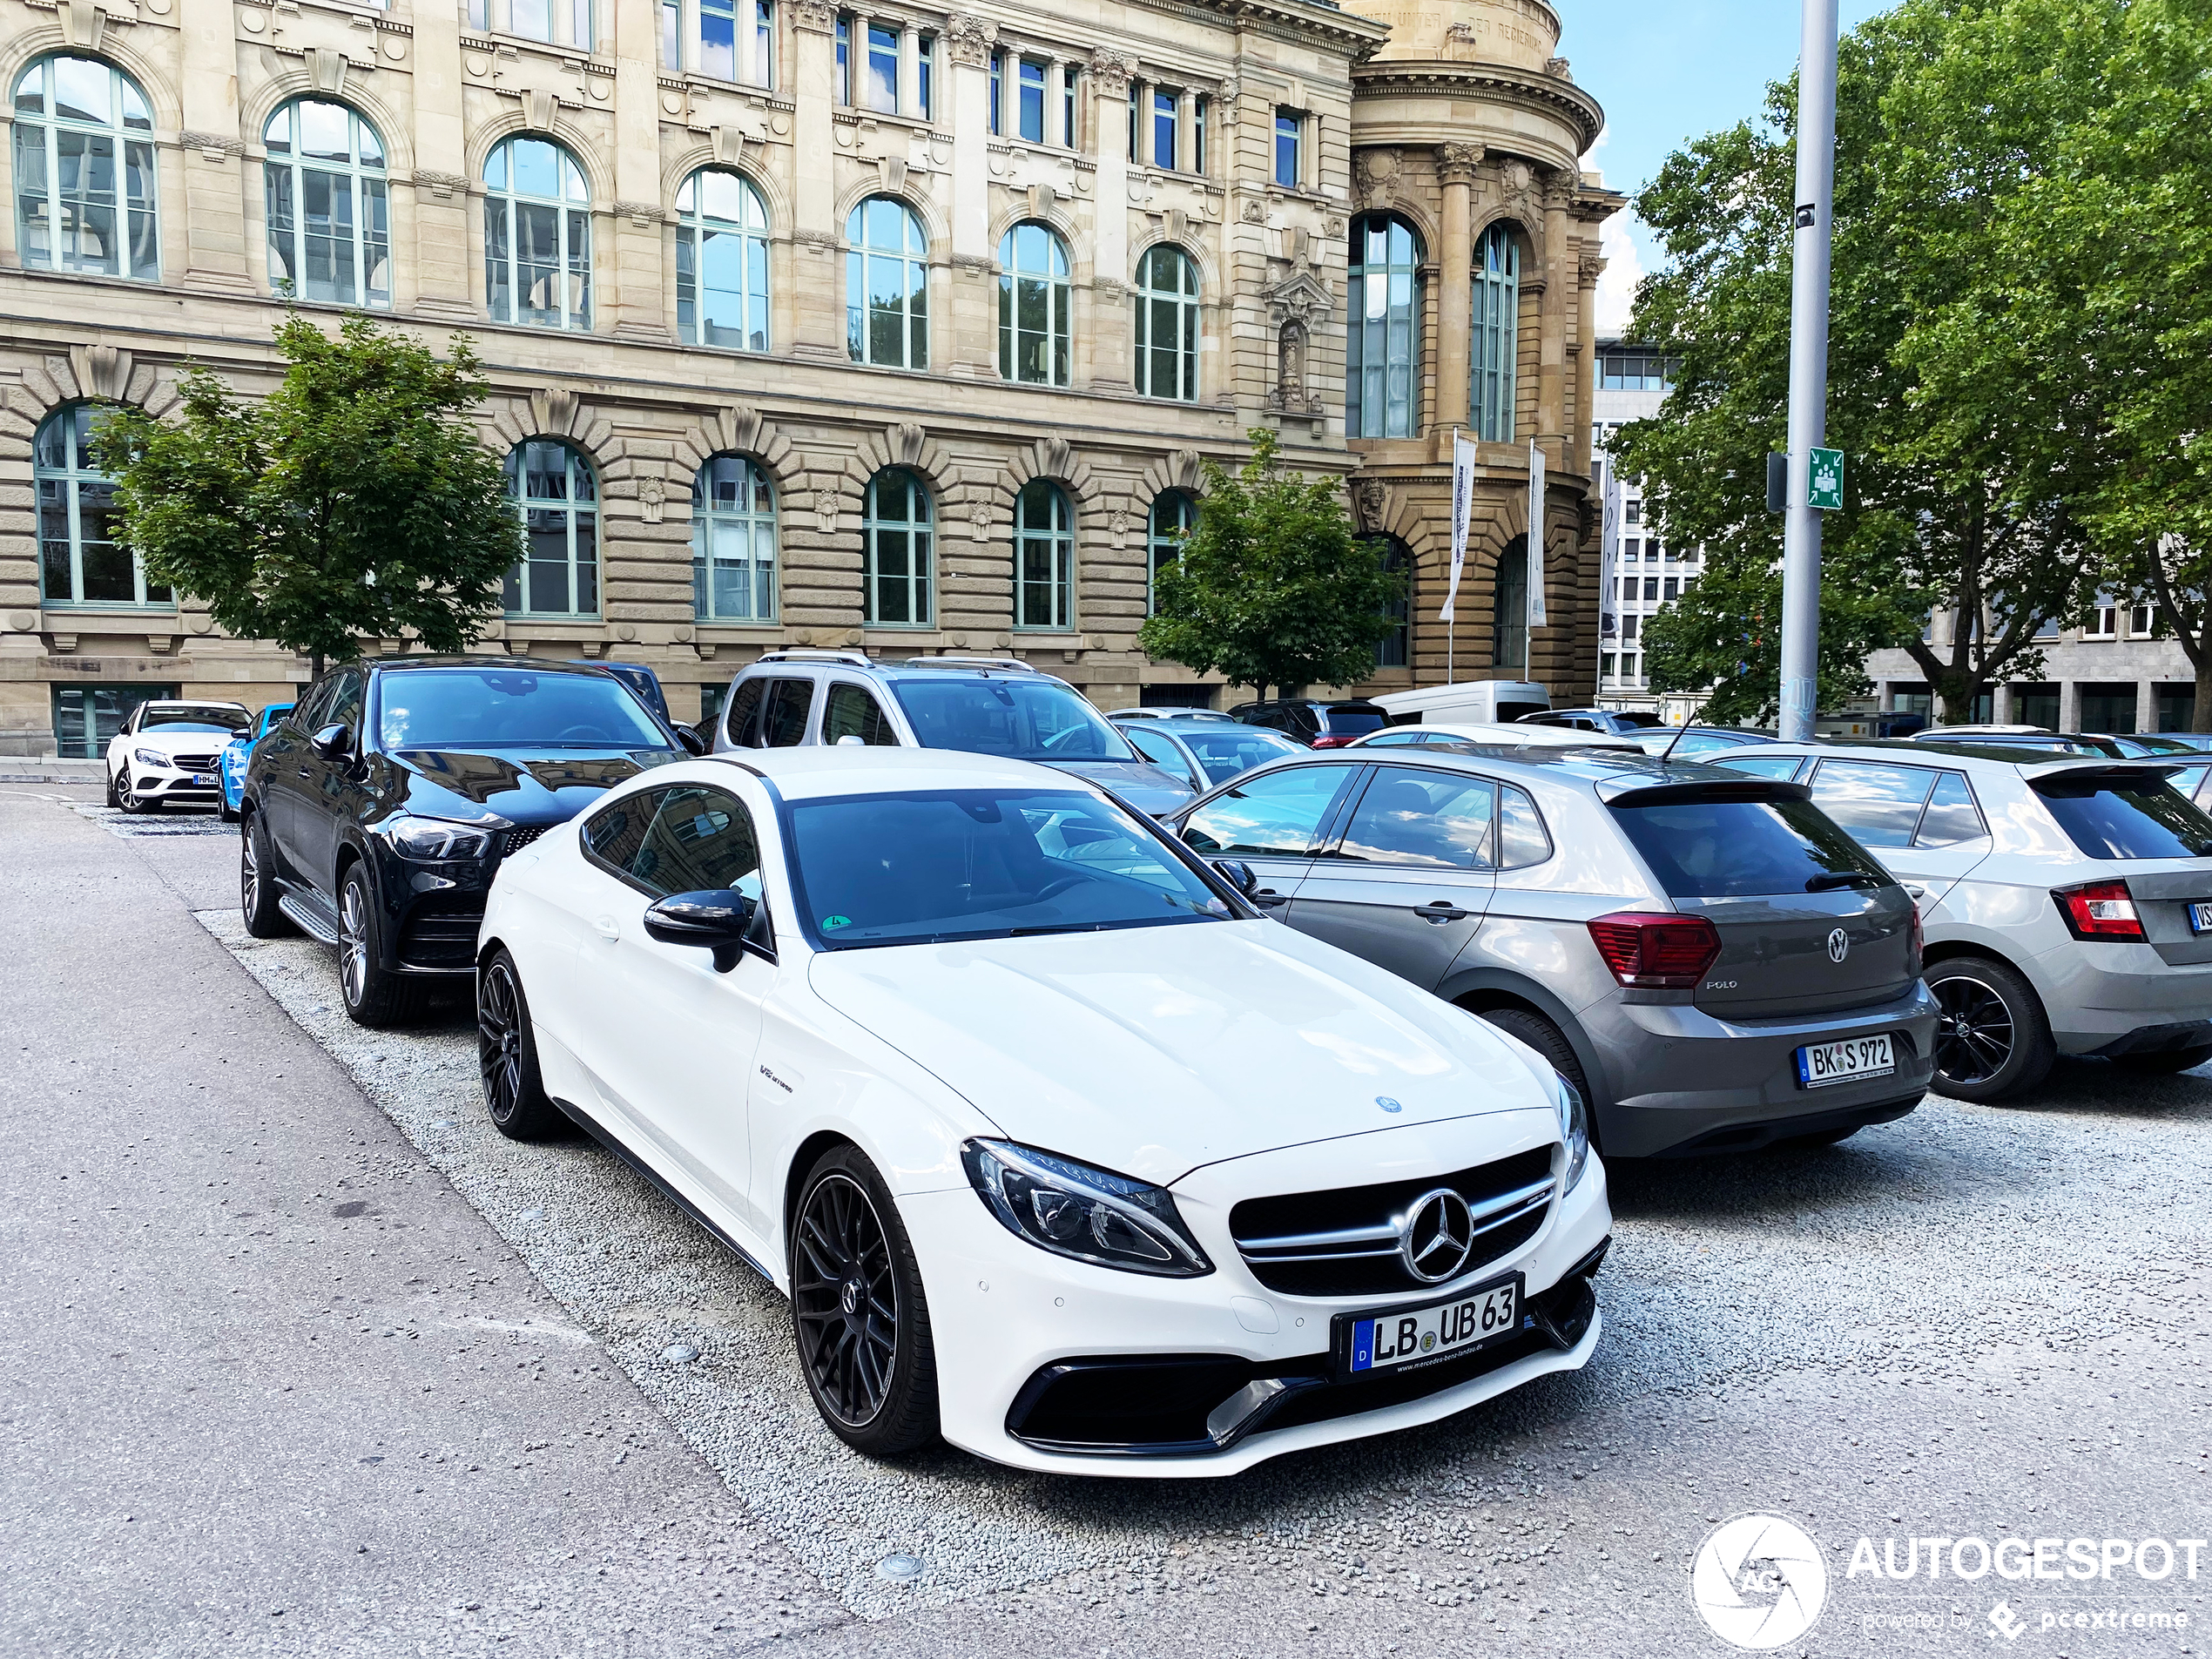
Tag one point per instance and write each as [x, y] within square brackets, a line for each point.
[1705, 1084]
[172, 783]
[1005, 1314]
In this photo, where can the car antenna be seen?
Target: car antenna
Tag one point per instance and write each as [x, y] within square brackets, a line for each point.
[1666, 753]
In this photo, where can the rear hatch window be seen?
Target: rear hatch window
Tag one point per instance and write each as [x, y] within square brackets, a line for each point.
[1355, 720]
[1508, 712]
[2137, 817]
[1734, 848]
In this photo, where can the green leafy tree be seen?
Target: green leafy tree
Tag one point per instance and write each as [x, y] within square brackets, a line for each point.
[1272, 588]
[1946, 510]
[2082, 328]
[353, 504]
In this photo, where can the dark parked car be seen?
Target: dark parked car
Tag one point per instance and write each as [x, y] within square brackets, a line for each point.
[1317, 722]
[640, 678]
[376, 811]
[1612, 722]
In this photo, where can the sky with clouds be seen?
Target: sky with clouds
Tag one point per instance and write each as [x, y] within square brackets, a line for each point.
[1668, 73]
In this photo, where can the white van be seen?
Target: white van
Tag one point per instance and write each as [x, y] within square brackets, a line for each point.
[1477, 701]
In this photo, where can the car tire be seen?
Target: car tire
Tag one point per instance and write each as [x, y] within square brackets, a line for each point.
[126, 800]
[114, 801]
[257, 889]
[507, 1056]
[2164, 1063]
[876, 1387]
[224, 811]
[1550, 1042]
[1993, 1039]
[373, 996]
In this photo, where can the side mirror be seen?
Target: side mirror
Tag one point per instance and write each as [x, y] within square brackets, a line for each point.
[717, 918]
[689, 738]
[1239, 874]
[333, 742]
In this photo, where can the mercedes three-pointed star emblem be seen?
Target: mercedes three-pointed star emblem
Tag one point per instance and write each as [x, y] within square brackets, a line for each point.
[1435, 1235]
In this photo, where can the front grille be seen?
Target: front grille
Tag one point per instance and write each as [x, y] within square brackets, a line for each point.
[194, 763]
[519, 838]
[441, 935]
[1344, 1241]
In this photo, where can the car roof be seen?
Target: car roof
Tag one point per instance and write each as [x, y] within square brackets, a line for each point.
[814, 772]
[2019, 757]
[189, 703]
[1506, 736]
[535, 664]
[1213, 728]
[1611, 770]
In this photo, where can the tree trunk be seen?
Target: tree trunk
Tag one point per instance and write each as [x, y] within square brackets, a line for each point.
[314, 665]
[2201, 715]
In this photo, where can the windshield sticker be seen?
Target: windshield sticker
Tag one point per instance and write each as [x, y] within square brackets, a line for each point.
[831, 923]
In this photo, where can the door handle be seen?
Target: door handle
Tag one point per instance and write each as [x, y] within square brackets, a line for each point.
[1269, 898]
[1442, 910]
[606, 927]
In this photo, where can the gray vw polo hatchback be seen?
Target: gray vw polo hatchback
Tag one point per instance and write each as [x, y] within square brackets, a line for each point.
[1710, 959]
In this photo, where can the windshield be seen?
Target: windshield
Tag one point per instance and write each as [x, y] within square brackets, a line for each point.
[1736, 849]
[2131, 821]
[473, 708]
[1028, 719]
[1235, 749]
[912, 869]
[179, 721]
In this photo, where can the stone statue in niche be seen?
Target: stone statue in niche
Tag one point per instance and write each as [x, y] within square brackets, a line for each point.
[1290, 367]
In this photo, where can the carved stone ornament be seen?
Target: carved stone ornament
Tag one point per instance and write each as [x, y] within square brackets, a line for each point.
[1455, 163]
[1332, 227]
[970, 38]
[826, 513]
[1227, 96]
[1254, 211]
[1371, 499]
[1301, 296]
[214, 146]
[101, 371]
[1289, 365]
[819, 16]
[441, 184]
[538, 106]
[979, 519]
[1557, 66]
[1112, 72]
[652, 500]
[1376, 171]
[327, 69]
[1117, 523]
[639, 213]
[1589, 269]
[83, 23]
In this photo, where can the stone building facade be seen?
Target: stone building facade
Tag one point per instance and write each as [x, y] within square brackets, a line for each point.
[876, 325]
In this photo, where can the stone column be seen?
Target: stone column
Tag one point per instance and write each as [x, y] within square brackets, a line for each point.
[1108, 79]
[2070, 706]
[969, 42]
[909, 70]
[642, 305]
[214, 151]
[2146, 706]
[445, 211]
[819, 325]
[2000, 703]
[1455, 165]
[1551, 351]
[1186, 131]
[1587, 269]
[1056, 68]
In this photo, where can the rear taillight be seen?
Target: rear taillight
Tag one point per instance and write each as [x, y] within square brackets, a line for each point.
[1330, 740]
[1915, 946]
[1654, 951]
[2100, 910]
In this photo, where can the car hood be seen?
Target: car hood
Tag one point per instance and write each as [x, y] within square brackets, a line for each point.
[1140, 782]
[1153, 1050]
[523, 786]
[175, 742]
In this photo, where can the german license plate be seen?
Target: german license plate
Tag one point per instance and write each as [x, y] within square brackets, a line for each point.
[2200, 916]
[1407, 1335]
[1822, 1063]
[203, 781]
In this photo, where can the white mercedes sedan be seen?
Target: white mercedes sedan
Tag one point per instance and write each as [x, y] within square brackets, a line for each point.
[1059, 1147]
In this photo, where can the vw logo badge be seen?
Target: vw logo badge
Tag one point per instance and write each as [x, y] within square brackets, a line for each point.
[1387, 1104]
[1838, 945]
[1436, 1236]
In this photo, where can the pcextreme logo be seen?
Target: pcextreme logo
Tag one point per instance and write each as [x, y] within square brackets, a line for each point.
[1758, 1581]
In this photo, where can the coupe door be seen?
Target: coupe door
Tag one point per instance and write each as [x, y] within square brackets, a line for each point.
[1407, 883]
[676, 1040]
[1275, 821]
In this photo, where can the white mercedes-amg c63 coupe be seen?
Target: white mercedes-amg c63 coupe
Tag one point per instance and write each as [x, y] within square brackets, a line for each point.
[1058, 1146]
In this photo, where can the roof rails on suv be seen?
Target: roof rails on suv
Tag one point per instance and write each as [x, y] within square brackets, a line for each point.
[963, 659]
[809, 654]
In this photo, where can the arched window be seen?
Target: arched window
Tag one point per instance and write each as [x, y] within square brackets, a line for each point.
[1167, 325]
[733, 540]
[1509, 611]
[1044, 558]
[1383, 336]
[721, 261]
[886, 286]
[80, 562]
[1393, 649]
[330, 234]
[537, 236]
[1174, 516]
[551, 484]
[1497, 334]
[896, 519]
[1034, 317]
[85, 171]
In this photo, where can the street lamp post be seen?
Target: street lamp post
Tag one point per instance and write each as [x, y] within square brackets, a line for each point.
[1808, 368]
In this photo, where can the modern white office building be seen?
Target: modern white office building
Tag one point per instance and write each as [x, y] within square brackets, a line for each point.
[1647, 573]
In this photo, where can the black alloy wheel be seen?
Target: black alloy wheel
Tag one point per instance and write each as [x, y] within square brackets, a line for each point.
[857, 1307]
[375, 995]
[257, 891]
[507, 1055]
[1991, 1040]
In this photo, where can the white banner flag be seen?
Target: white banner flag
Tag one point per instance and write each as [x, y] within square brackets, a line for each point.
[1608, 550]
[1462, 507]
[1535, 537]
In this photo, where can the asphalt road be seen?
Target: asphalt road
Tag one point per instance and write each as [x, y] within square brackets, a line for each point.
[301, 1358]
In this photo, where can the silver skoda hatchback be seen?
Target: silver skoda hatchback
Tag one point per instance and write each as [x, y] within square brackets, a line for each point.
[1705, 956]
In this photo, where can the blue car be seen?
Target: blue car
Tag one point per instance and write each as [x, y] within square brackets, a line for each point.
[233, 760]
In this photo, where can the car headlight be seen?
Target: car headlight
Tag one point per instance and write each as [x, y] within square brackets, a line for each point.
[1093, 1215]
[436, 838]
[150, 757]
[1574, 1130]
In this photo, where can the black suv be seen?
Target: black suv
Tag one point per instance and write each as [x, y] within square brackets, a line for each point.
[376, 811]
[1317, 722]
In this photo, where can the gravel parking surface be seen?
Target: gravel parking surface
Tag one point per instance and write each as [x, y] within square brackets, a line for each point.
[1915, 1325]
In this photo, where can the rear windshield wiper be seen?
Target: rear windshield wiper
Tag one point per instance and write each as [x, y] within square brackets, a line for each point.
[1828, 880]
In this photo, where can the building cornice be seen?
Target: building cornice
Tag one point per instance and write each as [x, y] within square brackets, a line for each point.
[1552, 95]
[1303, 20]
